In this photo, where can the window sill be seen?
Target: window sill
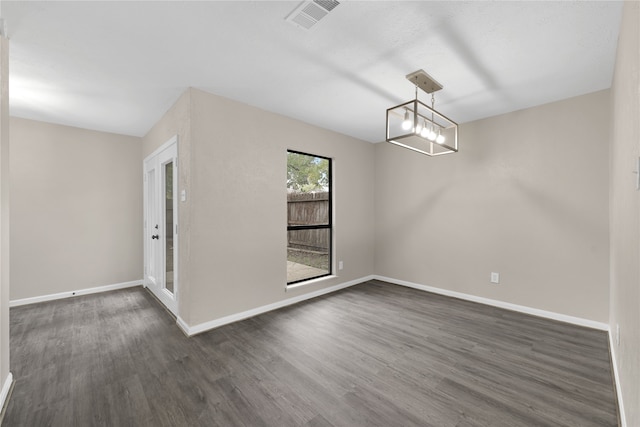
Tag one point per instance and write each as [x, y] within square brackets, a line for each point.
[310, 282]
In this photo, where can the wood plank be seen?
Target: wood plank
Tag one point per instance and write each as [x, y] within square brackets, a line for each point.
[373, 354]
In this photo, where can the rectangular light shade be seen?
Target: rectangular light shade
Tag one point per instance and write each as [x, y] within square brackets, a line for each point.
[409, 133]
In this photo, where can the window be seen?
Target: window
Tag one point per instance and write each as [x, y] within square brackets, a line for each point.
[309, 217]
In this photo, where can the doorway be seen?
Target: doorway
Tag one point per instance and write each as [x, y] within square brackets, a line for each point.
[161, 224]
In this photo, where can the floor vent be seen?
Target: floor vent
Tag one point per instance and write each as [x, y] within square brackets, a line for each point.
[308, 13]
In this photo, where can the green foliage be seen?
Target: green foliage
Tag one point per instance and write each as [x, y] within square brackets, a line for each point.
[306, 173]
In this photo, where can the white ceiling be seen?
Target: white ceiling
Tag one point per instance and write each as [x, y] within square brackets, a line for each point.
[118, 66]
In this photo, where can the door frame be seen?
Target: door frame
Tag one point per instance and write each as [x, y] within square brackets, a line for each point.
[167, 298]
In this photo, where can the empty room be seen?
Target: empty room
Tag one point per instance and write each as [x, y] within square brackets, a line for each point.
[320, 213]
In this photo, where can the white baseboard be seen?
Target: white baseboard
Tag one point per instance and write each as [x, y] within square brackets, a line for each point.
[51, 297]
[8, 382]
[212, 324]
[184, 326]
[616, 379]
[501, 304]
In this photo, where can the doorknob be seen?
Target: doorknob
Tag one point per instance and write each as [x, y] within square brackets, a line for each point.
[155, 236]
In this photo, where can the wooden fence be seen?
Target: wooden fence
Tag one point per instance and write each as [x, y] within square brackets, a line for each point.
[308, 209]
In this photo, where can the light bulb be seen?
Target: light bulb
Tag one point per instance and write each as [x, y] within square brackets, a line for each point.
[406, 123]
[431, 136]
[440, 138]
[425, 131]
[418, 128]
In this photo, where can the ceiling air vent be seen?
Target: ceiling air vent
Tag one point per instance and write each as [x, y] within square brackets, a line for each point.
[308, 13]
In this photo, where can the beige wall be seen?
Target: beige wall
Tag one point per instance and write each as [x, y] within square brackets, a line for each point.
[238, 197]
[232, 254]
[625, 211]
[76, 209]
[4, 211]
[526, 197]
[177, 121]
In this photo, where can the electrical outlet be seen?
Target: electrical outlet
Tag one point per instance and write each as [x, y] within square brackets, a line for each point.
[495, 277]
[340, 265]
[617, 334]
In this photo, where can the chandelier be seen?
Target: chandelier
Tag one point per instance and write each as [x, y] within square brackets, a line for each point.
[418, 127]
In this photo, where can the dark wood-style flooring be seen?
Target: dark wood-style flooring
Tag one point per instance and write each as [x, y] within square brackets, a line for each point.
[372, 355]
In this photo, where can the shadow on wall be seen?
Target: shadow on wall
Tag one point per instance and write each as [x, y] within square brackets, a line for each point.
[557, 210]
[414, 217]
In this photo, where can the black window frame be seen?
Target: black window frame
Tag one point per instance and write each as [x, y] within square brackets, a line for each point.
[328, 226]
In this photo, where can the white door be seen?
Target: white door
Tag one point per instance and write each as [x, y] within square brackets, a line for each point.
[161, 224]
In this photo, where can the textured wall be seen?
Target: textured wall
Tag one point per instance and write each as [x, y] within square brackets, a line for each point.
[76, 208]
[526, 197]
[177, 121]
[233, 256]
[625, 211]
[5, 262]
[238, 253]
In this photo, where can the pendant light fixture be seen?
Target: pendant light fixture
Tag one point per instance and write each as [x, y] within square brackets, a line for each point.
[418, 127]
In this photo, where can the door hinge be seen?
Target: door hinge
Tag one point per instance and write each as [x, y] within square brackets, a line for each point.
[176, 228]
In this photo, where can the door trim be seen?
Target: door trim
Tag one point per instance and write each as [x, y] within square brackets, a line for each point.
[168, 298]
[172, 140]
